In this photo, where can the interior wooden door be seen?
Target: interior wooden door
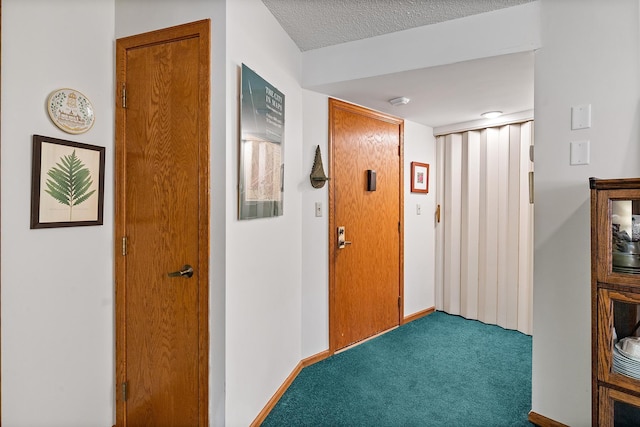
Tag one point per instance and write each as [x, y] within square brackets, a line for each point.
[162, 230]
[366, 273]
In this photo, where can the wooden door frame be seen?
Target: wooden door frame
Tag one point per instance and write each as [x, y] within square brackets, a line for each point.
[335, 104]
[200, 30]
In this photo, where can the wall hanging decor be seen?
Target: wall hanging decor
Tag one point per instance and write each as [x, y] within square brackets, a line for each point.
[318, 177]
[67, 183]
[70, 110]
[419, 177]
[261, 186]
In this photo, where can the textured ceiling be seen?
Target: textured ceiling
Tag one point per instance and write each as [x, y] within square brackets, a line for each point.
[447, 94]
[440, 96]
[313, 24]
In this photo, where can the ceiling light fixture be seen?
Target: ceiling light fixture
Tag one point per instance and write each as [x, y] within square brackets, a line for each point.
[491, 114]
[403, 100]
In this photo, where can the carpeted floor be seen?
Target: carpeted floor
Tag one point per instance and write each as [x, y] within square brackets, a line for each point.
[440, 370]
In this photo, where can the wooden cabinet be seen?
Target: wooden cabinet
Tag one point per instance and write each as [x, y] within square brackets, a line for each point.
[615, 301]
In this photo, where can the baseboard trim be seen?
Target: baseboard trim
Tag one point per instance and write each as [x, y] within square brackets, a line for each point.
[276, 396]
[542, 421]
[286, 384]
[419, 314]
[315, 358]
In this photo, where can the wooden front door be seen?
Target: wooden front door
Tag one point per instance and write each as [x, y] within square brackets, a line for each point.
[366, 272]
[162, 227]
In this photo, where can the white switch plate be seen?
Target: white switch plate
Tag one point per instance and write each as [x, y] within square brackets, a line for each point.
[318, 209]
[418, 210]
[580, 152]
[581, 117]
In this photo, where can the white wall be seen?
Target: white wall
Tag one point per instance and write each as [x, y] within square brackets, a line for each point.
[264, 258]
[589, 55]
[57, 284]
[419, 230]
[315, 230]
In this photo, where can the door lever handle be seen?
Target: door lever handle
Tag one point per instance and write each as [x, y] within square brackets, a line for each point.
[341, 241]
[187, 271]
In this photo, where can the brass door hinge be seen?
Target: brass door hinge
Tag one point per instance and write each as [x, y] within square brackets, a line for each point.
[124, 246]
[125, 391]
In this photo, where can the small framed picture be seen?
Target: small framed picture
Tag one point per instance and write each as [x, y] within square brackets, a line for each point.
[419, 177]
[67, 183]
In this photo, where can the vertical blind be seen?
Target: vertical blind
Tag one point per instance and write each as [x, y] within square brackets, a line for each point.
[484, 261]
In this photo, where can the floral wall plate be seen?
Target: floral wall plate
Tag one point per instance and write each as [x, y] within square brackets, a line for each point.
[70, 110]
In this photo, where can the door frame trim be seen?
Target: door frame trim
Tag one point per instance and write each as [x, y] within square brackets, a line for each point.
[201, 30]
[335, 104]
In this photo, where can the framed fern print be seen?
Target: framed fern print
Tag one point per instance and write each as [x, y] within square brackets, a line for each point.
[67, 183]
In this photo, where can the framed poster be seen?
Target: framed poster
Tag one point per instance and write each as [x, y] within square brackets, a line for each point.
[261, 186]
[67, 183]
[419, 177]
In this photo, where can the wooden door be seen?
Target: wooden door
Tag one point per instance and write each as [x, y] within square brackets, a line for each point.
[162, 216]
[366, 274]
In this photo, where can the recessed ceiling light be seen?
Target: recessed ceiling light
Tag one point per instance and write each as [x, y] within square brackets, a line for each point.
[403, 100]
[491, 114]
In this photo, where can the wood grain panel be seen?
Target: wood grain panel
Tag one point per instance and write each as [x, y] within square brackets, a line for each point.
[163, 210]
[615, 298]
[594, 307]
[366, 276]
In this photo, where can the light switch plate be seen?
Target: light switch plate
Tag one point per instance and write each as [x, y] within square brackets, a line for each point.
[581, 116]
[580, 152]
[318, 209]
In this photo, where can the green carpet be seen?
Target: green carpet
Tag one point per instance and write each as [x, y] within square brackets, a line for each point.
[440, 370]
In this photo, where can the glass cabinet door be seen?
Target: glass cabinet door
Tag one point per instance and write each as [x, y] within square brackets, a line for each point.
[618, 409]
[619, 237]
[625, 236]
[619, 338]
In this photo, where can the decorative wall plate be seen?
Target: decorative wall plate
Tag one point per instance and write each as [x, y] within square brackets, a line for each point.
[70, 110]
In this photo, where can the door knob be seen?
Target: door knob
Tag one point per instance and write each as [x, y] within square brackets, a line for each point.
[187, 271]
